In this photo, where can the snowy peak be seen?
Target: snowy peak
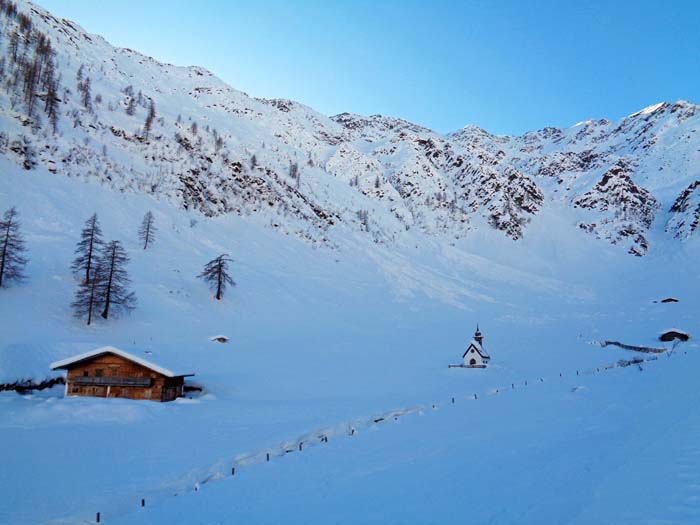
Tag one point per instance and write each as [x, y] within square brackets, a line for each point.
[681, 108]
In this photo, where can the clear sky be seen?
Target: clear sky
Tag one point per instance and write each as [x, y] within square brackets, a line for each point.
[507, 66]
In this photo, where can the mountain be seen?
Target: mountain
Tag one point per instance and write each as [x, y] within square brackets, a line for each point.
[77, 106]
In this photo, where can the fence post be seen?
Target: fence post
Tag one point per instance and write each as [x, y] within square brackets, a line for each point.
[268, 456]
[576, 372]
[233, 471]
[512, 385]
[475, 397]
[453, 400]
[97, 518]
[143, 502]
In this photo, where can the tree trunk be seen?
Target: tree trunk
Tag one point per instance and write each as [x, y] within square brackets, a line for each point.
[89, 261]
[91, 304]
[92, 295]
[4, 250]
[105, 312]
[218, 283]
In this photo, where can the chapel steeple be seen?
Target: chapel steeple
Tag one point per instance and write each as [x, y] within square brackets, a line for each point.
[478, 337]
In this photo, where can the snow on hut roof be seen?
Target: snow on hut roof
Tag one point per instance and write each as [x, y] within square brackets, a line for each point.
[65, 363]
[478, 347]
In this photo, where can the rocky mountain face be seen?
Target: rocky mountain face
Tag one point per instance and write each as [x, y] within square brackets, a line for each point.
[686, 212]
[72, 104]
[626, 210]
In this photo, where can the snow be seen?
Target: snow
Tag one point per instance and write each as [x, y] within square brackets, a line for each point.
[578, 439]
[604, 461]
[342, 335]
[327, 339]
[648, 110]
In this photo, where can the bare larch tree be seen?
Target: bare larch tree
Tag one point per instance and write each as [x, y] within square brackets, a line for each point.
[12, 247]
[150, 117]
[216, 275]
[147, 230]
[84, 88]
[87, 297]
[114, 291]
[88, 248]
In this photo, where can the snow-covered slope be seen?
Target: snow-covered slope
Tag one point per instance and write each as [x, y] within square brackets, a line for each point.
[322, 340]
[219, 151]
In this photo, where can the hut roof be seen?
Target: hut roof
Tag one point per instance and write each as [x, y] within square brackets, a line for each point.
[67, 363]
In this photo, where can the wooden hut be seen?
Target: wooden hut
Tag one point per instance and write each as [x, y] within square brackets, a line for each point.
[111, 372]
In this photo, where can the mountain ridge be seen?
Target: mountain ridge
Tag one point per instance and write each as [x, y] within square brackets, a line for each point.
[217, 150]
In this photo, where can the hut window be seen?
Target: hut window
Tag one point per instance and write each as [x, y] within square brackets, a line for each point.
[147, 393]
[85, 373]
[115, 371]
[76, 389]
[98, 372]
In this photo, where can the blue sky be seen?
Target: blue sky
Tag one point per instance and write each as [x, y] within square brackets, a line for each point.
[507, 66]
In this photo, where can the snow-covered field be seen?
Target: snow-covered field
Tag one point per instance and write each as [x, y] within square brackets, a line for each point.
[323, 340]
[616, 447]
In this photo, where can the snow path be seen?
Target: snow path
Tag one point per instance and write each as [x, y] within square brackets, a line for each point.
[686, 467]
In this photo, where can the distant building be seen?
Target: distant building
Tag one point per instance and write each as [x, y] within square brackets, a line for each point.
[476, 356]
[111, 372]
